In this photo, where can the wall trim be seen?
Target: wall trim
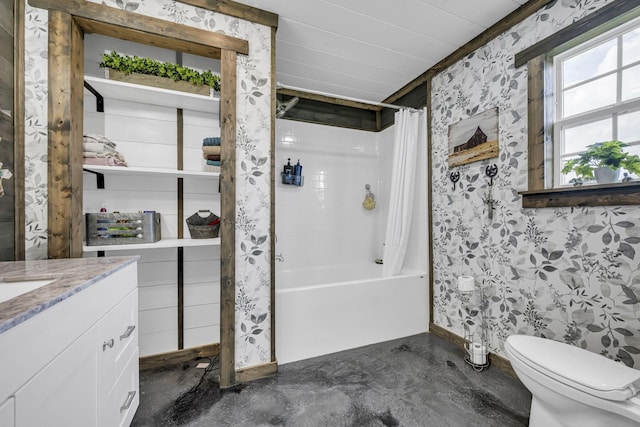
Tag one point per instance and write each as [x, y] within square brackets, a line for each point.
[256, 372]
[496, 360]
[18, 127]
[272, 198]
[179, 356]
[237, 10]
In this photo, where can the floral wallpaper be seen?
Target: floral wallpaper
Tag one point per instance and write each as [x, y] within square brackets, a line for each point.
[570, 274]
[253, 150]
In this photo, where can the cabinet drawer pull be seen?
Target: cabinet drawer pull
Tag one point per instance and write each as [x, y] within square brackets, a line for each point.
[107, 344]
[127, 333]
[129, 401]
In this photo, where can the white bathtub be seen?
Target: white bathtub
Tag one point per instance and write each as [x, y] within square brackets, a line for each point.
[333, 309]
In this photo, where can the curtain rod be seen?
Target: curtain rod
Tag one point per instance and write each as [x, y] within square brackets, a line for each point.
[346, 98]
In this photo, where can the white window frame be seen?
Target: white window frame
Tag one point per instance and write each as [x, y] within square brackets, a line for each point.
[610, 111]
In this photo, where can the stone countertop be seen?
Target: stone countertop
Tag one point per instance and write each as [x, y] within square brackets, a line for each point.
[69, 276]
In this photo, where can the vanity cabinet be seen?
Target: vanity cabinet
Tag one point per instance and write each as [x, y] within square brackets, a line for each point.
[75, 363]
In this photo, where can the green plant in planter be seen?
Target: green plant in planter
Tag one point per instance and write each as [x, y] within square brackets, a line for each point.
[134, 64]
[603, 154]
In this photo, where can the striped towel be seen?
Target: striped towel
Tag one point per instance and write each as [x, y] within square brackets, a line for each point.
[211, 141]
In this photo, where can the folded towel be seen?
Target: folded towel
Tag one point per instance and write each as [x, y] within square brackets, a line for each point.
[103, 161]
[216, 158]
[98, 147]
[117, 156]
[211, 141]
[210, 150]
[92, 137]
[213, 162]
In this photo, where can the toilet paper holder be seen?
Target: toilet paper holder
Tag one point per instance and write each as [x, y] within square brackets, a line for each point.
[476, 351]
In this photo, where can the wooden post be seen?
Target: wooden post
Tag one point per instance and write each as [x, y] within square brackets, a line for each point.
[536, 118]
[274, 175]
[228, 213]
[66, 93]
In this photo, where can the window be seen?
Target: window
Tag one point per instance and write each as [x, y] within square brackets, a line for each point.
[596, 96]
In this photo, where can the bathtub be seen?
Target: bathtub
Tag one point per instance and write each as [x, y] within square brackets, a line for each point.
[322, 311]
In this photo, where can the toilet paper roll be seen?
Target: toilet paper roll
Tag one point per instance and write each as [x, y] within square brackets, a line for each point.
[478, 354]
[466, 283]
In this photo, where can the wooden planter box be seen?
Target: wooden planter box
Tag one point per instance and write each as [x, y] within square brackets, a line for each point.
[161, 82]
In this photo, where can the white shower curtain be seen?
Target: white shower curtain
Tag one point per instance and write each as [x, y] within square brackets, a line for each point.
[410, 130]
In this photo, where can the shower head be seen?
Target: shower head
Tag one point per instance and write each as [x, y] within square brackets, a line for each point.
[282, 107]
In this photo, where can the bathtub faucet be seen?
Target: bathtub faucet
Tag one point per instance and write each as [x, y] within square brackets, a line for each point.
[279, 257]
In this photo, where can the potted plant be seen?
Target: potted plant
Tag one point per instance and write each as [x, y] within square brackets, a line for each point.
[134, 69]
[603, 161]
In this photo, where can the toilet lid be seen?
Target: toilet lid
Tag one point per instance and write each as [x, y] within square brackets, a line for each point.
[581, 369]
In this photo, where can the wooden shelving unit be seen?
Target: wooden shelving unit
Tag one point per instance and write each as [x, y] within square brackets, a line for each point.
[105, 90]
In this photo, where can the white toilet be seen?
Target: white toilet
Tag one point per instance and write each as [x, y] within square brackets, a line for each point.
[574, 387]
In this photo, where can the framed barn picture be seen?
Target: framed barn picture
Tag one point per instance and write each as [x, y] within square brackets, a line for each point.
[474, 138]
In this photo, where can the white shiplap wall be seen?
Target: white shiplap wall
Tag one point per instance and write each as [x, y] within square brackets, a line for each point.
[147, 135]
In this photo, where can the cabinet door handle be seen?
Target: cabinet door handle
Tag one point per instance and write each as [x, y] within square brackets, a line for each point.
[106, 344]
[127, 333]
[129, 401]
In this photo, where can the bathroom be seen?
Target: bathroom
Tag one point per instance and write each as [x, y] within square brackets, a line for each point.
[568, 273]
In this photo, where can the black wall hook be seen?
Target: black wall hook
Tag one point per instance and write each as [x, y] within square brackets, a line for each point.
[491, 171]
[454, 177]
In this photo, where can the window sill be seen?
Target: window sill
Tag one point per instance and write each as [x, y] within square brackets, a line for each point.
[586, 195]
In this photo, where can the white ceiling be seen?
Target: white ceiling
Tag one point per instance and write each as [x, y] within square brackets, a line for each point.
[368, 49]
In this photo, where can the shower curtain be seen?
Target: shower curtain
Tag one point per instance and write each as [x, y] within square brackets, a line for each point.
[410, 130]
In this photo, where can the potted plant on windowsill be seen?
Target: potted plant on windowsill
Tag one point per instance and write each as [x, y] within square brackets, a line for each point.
[150, 72]
[603, 162]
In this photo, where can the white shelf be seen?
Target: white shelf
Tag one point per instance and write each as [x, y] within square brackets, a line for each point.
[161, 244]
[112, 89]
[123, 170]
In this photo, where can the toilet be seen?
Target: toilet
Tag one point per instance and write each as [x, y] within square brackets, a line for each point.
[574, 387]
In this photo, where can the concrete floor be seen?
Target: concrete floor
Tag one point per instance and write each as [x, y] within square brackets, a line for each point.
[416, 381]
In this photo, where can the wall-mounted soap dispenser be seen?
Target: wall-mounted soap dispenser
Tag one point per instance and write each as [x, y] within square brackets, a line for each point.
[292, 175]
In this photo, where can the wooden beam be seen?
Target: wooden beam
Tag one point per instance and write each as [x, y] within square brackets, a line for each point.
[177, 357]
[237, 10]
[430, 170]
[587, 195]
[310, 111]
[272, 199]
[18, 129]
[328, 99]
[603, 19]
[536, 124]
[228, 214]
[486, 36]
[66, 93]
[256, 372]
[101, 19]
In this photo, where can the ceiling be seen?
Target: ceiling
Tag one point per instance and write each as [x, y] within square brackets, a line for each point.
[369, 49]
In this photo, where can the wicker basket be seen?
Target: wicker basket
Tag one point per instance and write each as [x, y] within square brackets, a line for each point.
[203, 227]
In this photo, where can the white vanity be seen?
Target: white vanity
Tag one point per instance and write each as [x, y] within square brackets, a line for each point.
[69, 342]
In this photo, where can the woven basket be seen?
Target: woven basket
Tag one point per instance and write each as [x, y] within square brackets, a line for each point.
[204, 231]
[200, 228]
